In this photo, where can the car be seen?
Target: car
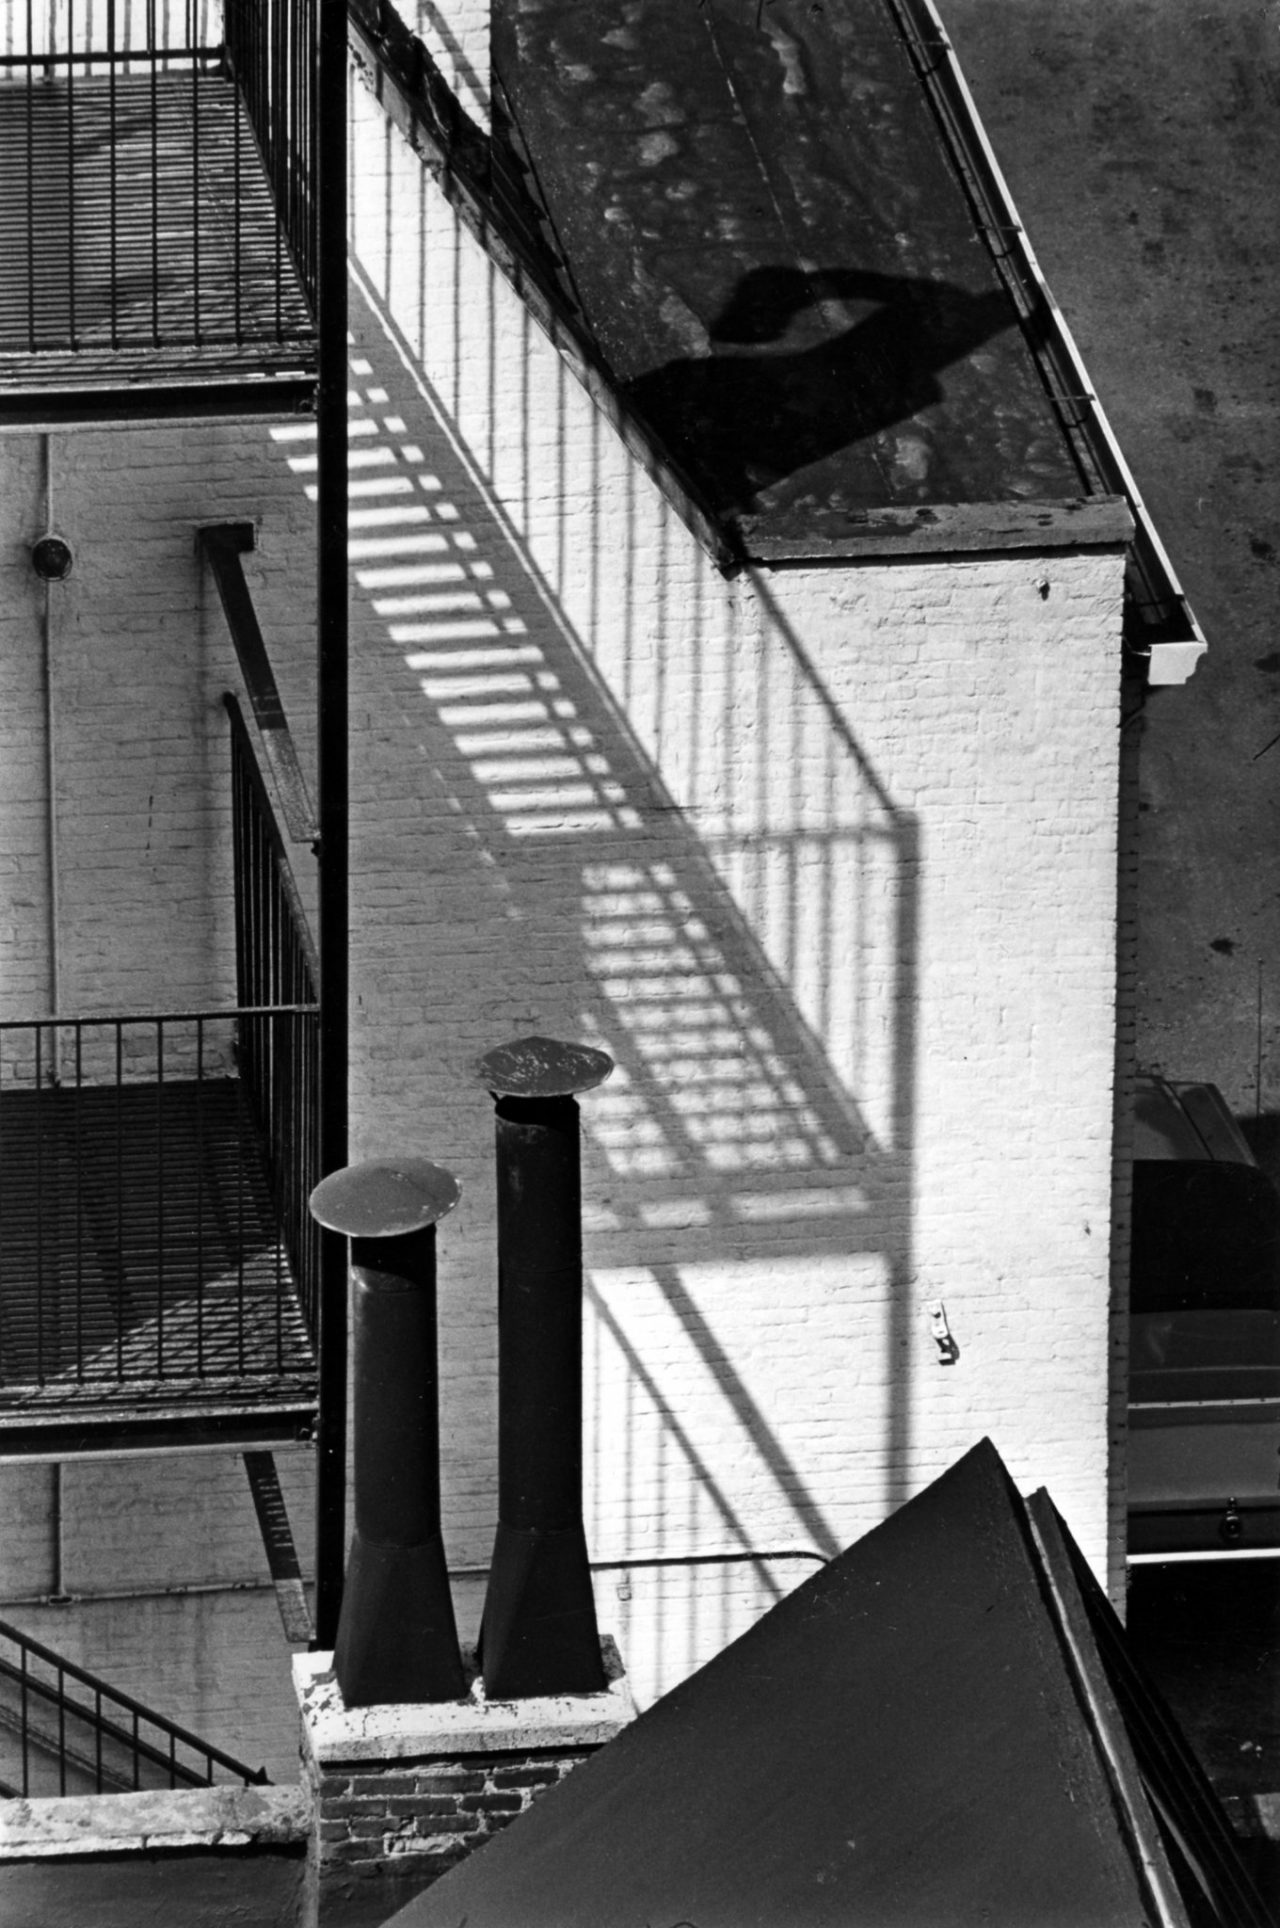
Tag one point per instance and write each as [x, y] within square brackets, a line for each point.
[1204, 1346]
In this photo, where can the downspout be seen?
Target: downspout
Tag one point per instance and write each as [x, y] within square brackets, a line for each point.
[54, 992]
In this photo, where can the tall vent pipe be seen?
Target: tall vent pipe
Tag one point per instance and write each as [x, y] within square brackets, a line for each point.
[538, 1634]
[397, 1639]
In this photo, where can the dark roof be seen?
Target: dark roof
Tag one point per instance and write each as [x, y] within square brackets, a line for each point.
[767, 238]
[927, 1731]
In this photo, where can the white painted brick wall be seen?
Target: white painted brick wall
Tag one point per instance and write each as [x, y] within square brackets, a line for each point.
[26, 1515]
[145, 1522]
[825, 858]
[140, 657]
[456, 35]
[141, 1530]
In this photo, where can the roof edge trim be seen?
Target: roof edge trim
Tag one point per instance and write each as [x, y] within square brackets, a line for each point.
[956, 528]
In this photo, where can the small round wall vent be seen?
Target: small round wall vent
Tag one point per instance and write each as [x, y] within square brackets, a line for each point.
[51, 559]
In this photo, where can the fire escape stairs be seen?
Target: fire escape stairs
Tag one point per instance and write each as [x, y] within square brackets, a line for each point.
[155, 1250]
[64, 1730]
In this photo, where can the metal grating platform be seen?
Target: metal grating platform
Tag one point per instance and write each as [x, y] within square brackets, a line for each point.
[142, 248]
[142, 1277]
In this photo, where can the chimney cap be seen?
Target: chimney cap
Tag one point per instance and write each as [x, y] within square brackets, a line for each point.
[542, 1068]
[384, 1197]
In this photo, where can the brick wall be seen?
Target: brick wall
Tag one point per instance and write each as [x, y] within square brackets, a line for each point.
[825, 858]
[395, 1829]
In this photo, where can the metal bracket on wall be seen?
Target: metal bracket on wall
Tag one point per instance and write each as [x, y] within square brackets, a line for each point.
[223, 544]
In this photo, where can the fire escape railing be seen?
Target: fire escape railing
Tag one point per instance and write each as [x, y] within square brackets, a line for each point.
[158, 162]
[72, 1727]
[276, 965]
[271, 53]
[139, 1241]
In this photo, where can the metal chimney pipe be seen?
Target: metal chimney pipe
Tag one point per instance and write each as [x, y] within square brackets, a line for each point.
[538, 1634]
[397, 1640]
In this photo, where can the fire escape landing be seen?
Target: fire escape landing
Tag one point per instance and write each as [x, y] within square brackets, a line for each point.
[153, 227]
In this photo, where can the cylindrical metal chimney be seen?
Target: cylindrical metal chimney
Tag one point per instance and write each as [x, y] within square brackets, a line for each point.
[538, 1634]
[397, 1639]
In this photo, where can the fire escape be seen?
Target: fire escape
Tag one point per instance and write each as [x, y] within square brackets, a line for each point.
[172, 229]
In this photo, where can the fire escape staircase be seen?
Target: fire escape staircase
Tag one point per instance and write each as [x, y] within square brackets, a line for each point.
[65, 1731]
[158, 1264]
[158, 226]
[163, 187]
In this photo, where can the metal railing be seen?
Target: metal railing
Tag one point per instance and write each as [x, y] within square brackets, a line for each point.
[136, 211]
[271, 49]
[64, 1731]
[139, 1241]
[276, 966]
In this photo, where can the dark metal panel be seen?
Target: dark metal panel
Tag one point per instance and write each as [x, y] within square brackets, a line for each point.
[900, 1742]
[224, 543]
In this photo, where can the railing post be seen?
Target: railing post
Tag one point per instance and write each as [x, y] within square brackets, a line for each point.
[538, 1634]
[396, 1640]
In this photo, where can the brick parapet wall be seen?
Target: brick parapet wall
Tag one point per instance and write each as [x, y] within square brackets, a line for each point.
[412, 1820]
[401, 1792]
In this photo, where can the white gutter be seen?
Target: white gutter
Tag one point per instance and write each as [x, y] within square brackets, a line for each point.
[1202, 1556]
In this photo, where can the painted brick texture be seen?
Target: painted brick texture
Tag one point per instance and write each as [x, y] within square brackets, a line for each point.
[133, 1532]
[215, 1663]
[824, 857]
[457, 37]
[139, 658]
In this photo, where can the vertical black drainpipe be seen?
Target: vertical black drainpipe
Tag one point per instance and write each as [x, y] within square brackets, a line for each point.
[397, 1640]
[331, 679]
[539, 1634]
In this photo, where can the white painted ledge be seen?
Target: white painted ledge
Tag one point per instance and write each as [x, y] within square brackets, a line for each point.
[332, 1731]
[203, 1817]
